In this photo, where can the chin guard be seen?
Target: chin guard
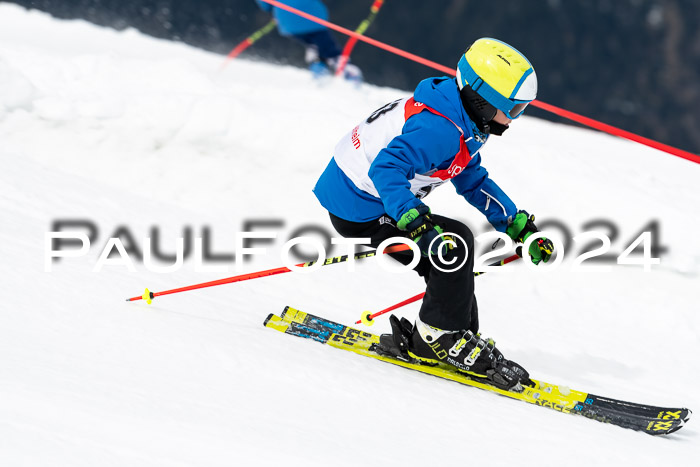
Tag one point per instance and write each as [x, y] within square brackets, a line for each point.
[481, 112]
[495, 128]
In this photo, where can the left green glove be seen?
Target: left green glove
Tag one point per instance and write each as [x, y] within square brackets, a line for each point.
[522, 226]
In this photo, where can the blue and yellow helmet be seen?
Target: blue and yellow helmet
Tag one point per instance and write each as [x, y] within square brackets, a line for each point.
[499, 74]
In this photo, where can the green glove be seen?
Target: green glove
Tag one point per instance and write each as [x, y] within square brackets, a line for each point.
[422, 230]
[522, 226]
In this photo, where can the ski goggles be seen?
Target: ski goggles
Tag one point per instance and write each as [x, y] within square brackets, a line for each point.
[484, 109]
[511, 107]
[517, 109]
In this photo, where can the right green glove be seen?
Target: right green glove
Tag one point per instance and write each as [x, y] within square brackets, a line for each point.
[522, 226]
[422, 230]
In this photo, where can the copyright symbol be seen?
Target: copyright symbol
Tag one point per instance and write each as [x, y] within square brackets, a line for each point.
[447, 242]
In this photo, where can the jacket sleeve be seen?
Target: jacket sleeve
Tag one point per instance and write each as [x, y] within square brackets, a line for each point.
[483, 193]
[427, 141]
[264, 6]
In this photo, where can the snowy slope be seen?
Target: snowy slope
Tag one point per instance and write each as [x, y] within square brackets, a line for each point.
[128, 131]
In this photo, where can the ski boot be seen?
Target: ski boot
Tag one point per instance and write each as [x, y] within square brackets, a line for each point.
[320, 70]
[351, 72]
[467, 352]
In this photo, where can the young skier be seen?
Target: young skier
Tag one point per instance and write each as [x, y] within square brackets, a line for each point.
[382, 169]
[322, 52]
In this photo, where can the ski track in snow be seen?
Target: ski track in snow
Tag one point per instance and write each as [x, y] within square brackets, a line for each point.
[127, 130]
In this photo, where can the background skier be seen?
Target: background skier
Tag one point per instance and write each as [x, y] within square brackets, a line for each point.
[322, 51]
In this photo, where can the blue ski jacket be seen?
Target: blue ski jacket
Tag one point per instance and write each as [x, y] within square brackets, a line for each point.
[290, 24]
[427, 143]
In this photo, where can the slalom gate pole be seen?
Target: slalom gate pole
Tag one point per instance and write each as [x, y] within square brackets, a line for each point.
[247, 42]
[148, 296]
[589, 122]
[604, 127]
[350, 44]
[374, 42]
[368, 318]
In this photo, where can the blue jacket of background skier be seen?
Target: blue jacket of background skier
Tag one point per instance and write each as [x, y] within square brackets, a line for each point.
[428, 141]
[290, 24]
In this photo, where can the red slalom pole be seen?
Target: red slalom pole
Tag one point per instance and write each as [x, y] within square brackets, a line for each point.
[361, 29]
[589, 122]
[451, 72]
[376, 43]
[368, 318]
[250, 40]
[148, 296]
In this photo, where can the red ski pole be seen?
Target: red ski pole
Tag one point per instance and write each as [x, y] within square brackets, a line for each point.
[247, 42]
[368, 317]
[149, 296]
[350, 44]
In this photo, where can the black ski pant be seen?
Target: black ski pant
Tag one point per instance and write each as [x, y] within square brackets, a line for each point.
[449, 301]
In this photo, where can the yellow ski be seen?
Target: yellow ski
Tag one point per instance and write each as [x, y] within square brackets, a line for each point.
[650, 419]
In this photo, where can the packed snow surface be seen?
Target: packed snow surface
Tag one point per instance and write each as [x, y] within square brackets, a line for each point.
[147, 138]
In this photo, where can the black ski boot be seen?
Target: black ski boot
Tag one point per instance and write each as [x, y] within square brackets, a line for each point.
[469, 353]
